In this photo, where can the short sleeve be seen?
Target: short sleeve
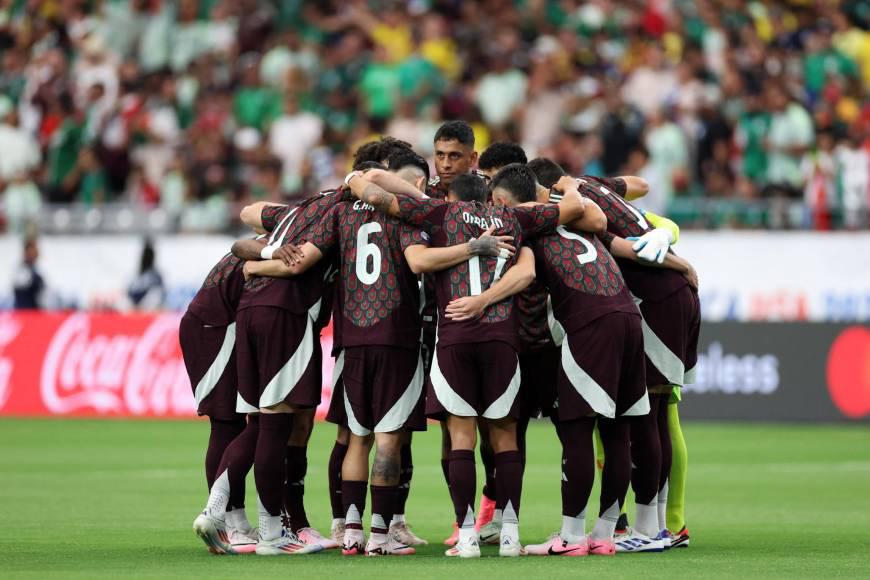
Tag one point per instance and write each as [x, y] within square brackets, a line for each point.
[616, 184]
[324, 234]
[425, 213]
[538, 220]
[410, 236]
[623, 219]
[271, 216]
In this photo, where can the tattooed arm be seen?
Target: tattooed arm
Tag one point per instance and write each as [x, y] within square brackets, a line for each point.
[374, 195]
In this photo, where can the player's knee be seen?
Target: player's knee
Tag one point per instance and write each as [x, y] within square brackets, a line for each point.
[342, 435]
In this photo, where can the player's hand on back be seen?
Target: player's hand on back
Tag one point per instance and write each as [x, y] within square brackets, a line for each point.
[466, 308]
[249, 270]
[653, 245]
[692, 276]
[565, 183]
[490, 245]
[290, 254]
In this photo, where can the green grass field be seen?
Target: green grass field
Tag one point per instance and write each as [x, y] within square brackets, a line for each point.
[111, 499]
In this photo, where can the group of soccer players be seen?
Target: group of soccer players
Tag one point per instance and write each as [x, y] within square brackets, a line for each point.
[481, 298]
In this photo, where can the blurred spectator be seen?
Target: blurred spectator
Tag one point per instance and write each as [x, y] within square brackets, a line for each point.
[146, 291]
[291, 137]
[790, 137]
[28, 284]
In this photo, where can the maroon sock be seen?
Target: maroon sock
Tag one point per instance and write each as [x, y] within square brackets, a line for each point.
[269, 460]
[353, 494]
[294, 487]
[383, 506]
[661, 404]
[522, 428]
[404, 480]
[238, 460]
[509, 485]
[487, 458]
[578, 465]
[445, 469]
[463, 485]
[646, 457]
[336, 458]
[617, 464]
[221, 435]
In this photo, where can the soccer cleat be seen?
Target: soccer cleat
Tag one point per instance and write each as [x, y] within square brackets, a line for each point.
[622, 525]
[601, 547]
[491, 533]
[454, 537]
[213, 531]
[510, 548]
[310, 536]
[337, 532]
[403, 534]
[392, 547]
[243, 542]
[680, 539]
[354, 542]
[287, 544]
[556, 546]
[484, 516]
[666, 537]
[634, 542]
[464, 549]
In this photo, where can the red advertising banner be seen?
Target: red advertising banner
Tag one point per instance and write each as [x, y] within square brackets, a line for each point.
[100, 365]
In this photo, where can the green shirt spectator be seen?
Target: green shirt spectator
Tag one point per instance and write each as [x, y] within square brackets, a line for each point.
[752, 129]
[380, 86]
[63, 152]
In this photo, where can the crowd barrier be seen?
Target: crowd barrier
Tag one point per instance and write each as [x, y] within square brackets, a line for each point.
[127, 366]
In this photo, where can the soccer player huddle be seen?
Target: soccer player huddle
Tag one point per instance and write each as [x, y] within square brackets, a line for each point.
[481, 298]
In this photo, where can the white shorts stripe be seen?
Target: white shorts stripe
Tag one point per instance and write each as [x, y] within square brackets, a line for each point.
[213, 374]
[242, 406]
[449, 399]
[337, 369]
[283, 383]
[557, 331]
[640, 407]
[586, 386]
[662, 358]
[398, 415]
[502, 406]
[355, 427]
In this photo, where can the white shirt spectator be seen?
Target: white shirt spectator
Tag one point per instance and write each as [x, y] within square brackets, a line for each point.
[19, 152]
[790, 128]
[291, 137]
[499, 94]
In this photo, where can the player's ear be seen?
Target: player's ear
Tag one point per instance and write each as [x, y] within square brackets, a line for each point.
[420, 183]
[473, 158]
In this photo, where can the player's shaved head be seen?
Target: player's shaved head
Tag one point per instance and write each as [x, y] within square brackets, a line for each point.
[454, 150]
[546, 171]
[408, 161]
[467, 188]
[498, 155]
[513, 185]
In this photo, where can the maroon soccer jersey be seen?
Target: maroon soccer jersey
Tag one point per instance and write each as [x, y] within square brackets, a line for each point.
[625, 220]
[429, 308]
[582, 277]
[378, 297]
[450, 224]
[217, 300]
[291, 225]
[534, 326]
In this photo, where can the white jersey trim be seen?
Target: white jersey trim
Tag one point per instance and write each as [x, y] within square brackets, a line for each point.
[283, 383]
[211, 377]
[591, 391]
[502, 406]
[398, 415]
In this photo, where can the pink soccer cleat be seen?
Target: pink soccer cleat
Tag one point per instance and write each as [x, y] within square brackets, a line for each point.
[556, 546]
[601, 547]
[484, 516]
[310, 536]
[454, 537]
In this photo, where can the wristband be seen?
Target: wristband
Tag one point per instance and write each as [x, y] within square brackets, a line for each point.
[266, 253]
[350, 176]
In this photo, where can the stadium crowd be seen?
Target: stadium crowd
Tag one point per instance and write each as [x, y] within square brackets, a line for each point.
[738, 113]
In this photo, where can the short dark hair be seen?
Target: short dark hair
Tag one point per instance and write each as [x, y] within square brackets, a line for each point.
[366, 165]
[546, 171]
[401, 158]
[501, 154]
[468, 187]
[519, 180]
[378, 150]
[455, 130]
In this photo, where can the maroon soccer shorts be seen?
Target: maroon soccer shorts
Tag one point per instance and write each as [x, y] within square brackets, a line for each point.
[539, 372]
[336, 413]
[383, 389]
[210, 359]
[602, 369]
[278, 357]
[670, 333]
[479, 379]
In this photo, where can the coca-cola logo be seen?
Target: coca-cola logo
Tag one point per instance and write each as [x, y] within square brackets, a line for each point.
[135, 373]
[9, 329]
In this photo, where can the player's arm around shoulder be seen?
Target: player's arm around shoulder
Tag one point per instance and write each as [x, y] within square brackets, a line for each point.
[373, 194]
[286, 262]
[622, 248]
[516, 279]
[593, 221]
[422, 259]
[252, 215]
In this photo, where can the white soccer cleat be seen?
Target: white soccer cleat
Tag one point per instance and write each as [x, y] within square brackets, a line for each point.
[510, 547]
[337, 532]
[310, 536]
[392, 547]
[287, 544]
[213, 532]
[354, 542]
[244, 542]
[635, 542]
[468, 548]
[491, 533]
[403, 534]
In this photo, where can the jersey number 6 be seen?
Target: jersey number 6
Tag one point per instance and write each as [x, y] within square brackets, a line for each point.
[366, 249]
